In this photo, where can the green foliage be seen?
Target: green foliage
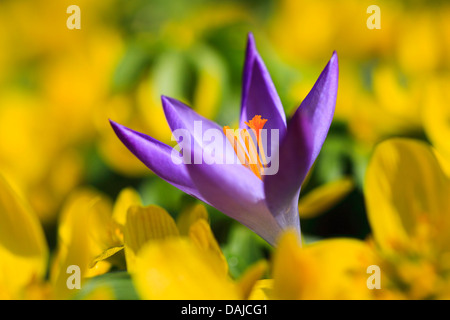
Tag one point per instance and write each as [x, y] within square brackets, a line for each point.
[119, 284]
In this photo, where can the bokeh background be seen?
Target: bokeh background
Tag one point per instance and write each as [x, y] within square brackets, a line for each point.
[59, 87]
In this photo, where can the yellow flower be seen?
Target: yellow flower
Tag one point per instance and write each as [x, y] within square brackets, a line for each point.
[328, 269]
[90, 231]
[436, 113]
[297, 32]
[262, 290]
[407, 199]
[89, 225]
[399, 101]
[189, 30]
[418, 29]
[383, 75]
[184, 261]
[44, 171]
[64, 74]
[23, 247]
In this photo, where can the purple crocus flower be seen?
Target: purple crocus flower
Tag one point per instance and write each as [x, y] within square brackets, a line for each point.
[267, 204]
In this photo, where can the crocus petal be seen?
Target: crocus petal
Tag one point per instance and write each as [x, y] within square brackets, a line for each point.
[157, 156]
[283, 188]
[181, 116]
[305, 135]
[202, 135]
[237, 192]
[259, 96]
[320, 103]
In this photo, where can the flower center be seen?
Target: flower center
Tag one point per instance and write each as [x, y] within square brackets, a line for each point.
[249, 153]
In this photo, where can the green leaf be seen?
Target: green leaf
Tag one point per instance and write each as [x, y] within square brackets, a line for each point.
[243, 249]
[169, 74]
[158, 192]
[119, 283]
[130, 68]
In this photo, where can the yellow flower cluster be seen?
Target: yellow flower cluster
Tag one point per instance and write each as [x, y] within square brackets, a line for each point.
[406, 192]
[58, 90]
[393, 80]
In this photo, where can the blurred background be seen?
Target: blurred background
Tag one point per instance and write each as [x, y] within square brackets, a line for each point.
[59, 87]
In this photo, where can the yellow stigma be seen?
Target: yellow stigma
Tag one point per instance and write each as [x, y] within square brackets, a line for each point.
[250, 155]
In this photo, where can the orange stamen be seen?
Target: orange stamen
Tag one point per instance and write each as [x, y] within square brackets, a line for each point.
[255, 164]
[257, 124]
[237, 146]
[250, 155]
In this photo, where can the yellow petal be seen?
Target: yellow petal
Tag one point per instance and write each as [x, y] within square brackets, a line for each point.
[105, 255]
[288, 260]
[327, 269]
[101, 228]
[251, 277]
[23, 248]
[397, 100]
[419, 31]
[444, 162]
[324, 197]
[146, 224]
[178, 269]
[190, 215]
[200, 234]
[106, 224]
[126, 198]
[101, 293]
[79, 233]
[406, 193]
[343, 267]
[436, 113]
[262, 290]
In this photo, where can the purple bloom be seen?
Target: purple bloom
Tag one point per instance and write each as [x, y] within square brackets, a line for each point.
[266, 204]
